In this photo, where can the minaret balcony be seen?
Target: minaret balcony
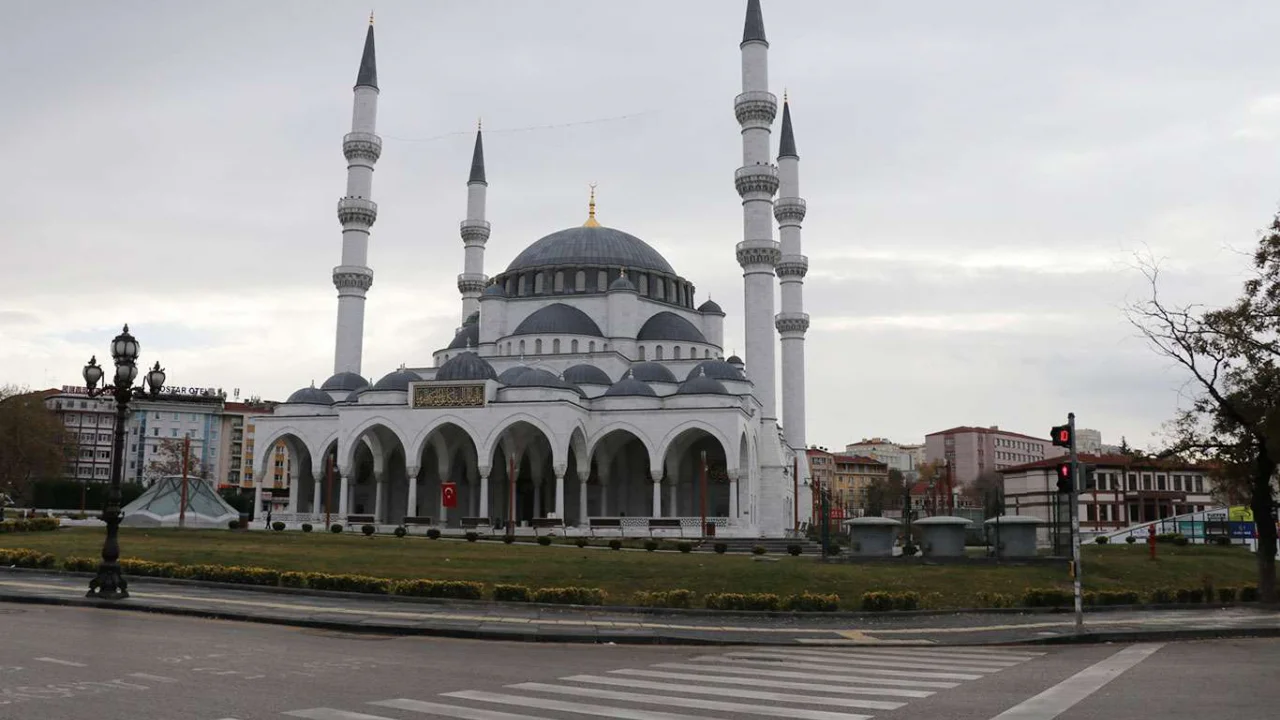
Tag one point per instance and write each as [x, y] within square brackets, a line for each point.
[362, 146]
[792, 266]
[791, 322]
[472, 283]
[758, 253]
[352, 279]
[756, 180]
[357, 211]
[474, 231]
[756, 107]
[789, 210]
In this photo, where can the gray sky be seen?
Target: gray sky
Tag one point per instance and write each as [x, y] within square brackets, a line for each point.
[979, 177]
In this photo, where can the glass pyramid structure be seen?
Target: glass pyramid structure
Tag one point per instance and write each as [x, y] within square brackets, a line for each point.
[159, 506]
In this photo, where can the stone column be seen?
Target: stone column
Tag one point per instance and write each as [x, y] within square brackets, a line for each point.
[733, 494]
[343, 495]
[412, 475]
[657, 496]
[315, 496]
[293, 493]
[673, 501]
[560, 492]
[257, 498]
[484, 492]
[583, 511]
[379, 479]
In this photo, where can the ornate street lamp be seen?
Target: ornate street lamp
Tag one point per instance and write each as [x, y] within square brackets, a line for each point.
[110, 583]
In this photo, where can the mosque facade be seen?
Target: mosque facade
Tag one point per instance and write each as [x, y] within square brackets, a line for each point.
[585, 380]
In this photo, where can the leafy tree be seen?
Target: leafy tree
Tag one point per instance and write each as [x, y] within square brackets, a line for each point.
[884, 493]
[168, 461]
[1230, 354]
[987, 491]
[31, 441]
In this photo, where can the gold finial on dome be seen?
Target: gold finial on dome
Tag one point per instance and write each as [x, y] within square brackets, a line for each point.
[591, 209]
[370, 17]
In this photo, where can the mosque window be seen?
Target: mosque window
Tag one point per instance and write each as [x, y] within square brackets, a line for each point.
[676, 353]
[537, 347]
[591, 346]
[559, 286]
[602, 281]
[706, 354]
[604, 347]
[642, 352]
[580, 281]
[644, 285]
[658, 287]
[555, 346]
[573, 346]
[522, 289]
[522, 347]
[511, 287]
[538, 282]
[657, 353]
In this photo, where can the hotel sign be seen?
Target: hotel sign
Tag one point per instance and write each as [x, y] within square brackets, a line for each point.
[447, 396]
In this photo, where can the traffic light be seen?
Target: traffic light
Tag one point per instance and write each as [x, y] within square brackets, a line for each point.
[1061, 435]
[1066, 483]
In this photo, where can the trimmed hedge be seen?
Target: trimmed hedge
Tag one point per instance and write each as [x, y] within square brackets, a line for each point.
[511, 593]
[42, 524]
[570, 595]
[453, 589]
[812, 602]
[1047, 597]
[743, 601]
[23, 558]
[880, 601]
[663, 599]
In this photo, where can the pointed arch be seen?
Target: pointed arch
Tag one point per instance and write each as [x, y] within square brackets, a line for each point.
[558, 450]
[377, 432]
[418, 445]
[706, 427]
[594, 440]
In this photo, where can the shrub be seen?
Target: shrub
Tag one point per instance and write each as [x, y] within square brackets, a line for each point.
[1227, 594]
[1047, 597]
[812, 602]
[453, 589]
[580, 542]
[543, 540]
[229, 574]
[368, 530]
[794, 549]
[472, 536]
[508, 539]
[24, 558]
[1248, 593]
[511, 593]
[569, 596]
[615, 544]
[1131, 539]
[277, 526]
[758, 550]
[1169, 537]
[79, 564]
[650, 545]
[348, 583]
[400, 531]
[1118, 597]
[909, 550]
[335, 528]
[293, 579]
[720, 548]
[30, 525]
[880, 601]
[1181, 541]
[743, 601]
[664, 599]
[1190, 595]
[684, 546]
[1163, 596]
[1102, 540]
[994, 600]
[433, 534]
[306, 527]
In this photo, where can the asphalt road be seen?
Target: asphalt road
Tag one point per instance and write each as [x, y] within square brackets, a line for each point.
[72, 663]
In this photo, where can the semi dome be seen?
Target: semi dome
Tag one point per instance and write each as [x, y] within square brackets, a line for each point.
[735, 360]
[651, 372]
[586, 375]
[537, 377]
[510, 374]
[669, 326]
[472, 319]
[701, 385]
[558, 319]
[466, 366]
[310, 396]
[710, 307]
[622, 282]
[717, 370]
[494, 290]
[344, 382]
[468, 336]
[591, 245]
[630, 386]
[398, 380]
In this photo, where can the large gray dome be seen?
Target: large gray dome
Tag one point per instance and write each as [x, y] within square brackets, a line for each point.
[344, 382]
[586, 375]
[310, 396]
[591, 246]
[398, 380]
[669, 326]
[651, 372]
[466, 366]
[558, 319]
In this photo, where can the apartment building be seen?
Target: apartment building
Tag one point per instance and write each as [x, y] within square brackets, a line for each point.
[972, 451]
[905, 458]
[236, 451]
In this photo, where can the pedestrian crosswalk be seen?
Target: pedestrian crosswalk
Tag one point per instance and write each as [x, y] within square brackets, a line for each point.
[804, 683]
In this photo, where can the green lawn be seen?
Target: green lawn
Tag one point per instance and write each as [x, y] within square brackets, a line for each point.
[620, 573]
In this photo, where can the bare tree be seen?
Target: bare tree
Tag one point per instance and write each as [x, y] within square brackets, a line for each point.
[1233, 418]
[168, 461]
[31, 441]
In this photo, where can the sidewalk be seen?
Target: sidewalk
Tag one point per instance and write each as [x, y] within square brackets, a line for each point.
[350, 612]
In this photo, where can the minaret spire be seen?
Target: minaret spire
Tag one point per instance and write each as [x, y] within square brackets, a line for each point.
[357, 213]
[591, 209]
[753, 28]
[792, 322]
[475, 233]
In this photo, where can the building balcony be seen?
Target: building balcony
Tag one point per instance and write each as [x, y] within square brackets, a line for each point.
[755, 108]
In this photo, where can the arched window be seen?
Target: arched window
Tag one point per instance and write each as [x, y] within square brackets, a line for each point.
[511, 286]
[642, 352]
[555, 346]
[706, 353]
[573, 346]
[538, 282]
[657, 353]
[537, 347]
[602, 281]
[644, 285]
[604, 347]
[580, 281]
[559, 286]
[522, 288]
[657, 288]
[522, 347]
[591, 346]
[676, 353]
[693, 352]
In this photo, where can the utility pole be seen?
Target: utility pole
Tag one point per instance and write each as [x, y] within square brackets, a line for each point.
[186, 455]
[328, 490]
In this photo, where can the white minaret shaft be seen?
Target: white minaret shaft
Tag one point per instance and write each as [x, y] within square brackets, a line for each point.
[475, 233]
[757, 181]
[357, 213]
[792, 322]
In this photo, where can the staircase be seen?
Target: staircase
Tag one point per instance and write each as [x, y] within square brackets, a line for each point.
[774, 546]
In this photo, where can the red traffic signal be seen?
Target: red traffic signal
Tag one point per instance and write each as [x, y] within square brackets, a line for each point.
[1061, 435]
[1066, 483]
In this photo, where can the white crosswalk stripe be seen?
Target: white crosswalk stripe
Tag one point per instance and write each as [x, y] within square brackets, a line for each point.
[803, 683]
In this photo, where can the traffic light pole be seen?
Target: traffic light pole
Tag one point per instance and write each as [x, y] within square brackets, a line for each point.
[1073, 499]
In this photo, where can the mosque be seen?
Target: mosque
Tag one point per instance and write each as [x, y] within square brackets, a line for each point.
[585, 381]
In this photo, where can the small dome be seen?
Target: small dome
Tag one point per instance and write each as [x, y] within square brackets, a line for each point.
[622, 283]
[310, 396]
[558, 319]
[398, 380]
[717, 370]
[630, 386]
[651, 372]
[735, 360]
[710, 308]
[466, 366]
[586, 375]
[537, 377]
[344, 382]
[669, 326]
[354, 396]
[509, 375]
[468, 336]
[494, 290]
[700, 384]
[472, 319]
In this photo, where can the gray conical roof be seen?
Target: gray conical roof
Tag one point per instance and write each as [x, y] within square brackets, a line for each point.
[754, 27]
[162, 502]
[787, 145]
[477, 161]
[368, 74]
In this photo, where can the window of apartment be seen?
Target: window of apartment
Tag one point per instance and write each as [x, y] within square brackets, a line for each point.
[1146, 481]
[1091, 513]
[173, 432]
[107, 420]
[104, 438]
[103, 454]
[1177, 483]
[132, 464]
[155, 432]
[101, 472]
[86, 453]
[1199, 480]
[157, 416]
[1160, 482]
[70, 418]
[1133, 481]
[83, 404]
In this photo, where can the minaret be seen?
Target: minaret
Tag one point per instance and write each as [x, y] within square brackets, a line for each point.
[357, 212]
[757, 181]
[475, 233]
[792, 322]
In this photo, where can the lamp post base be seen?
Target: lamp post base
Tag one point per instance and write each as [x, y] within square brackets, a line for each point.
[109, 584]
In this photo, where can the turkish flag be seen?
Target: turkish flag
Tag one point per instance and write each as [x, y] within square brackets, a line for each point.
[449, 494]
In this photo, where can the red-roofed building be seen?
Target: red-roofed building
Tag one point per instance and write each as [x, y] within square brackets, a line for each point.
[972, 451]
